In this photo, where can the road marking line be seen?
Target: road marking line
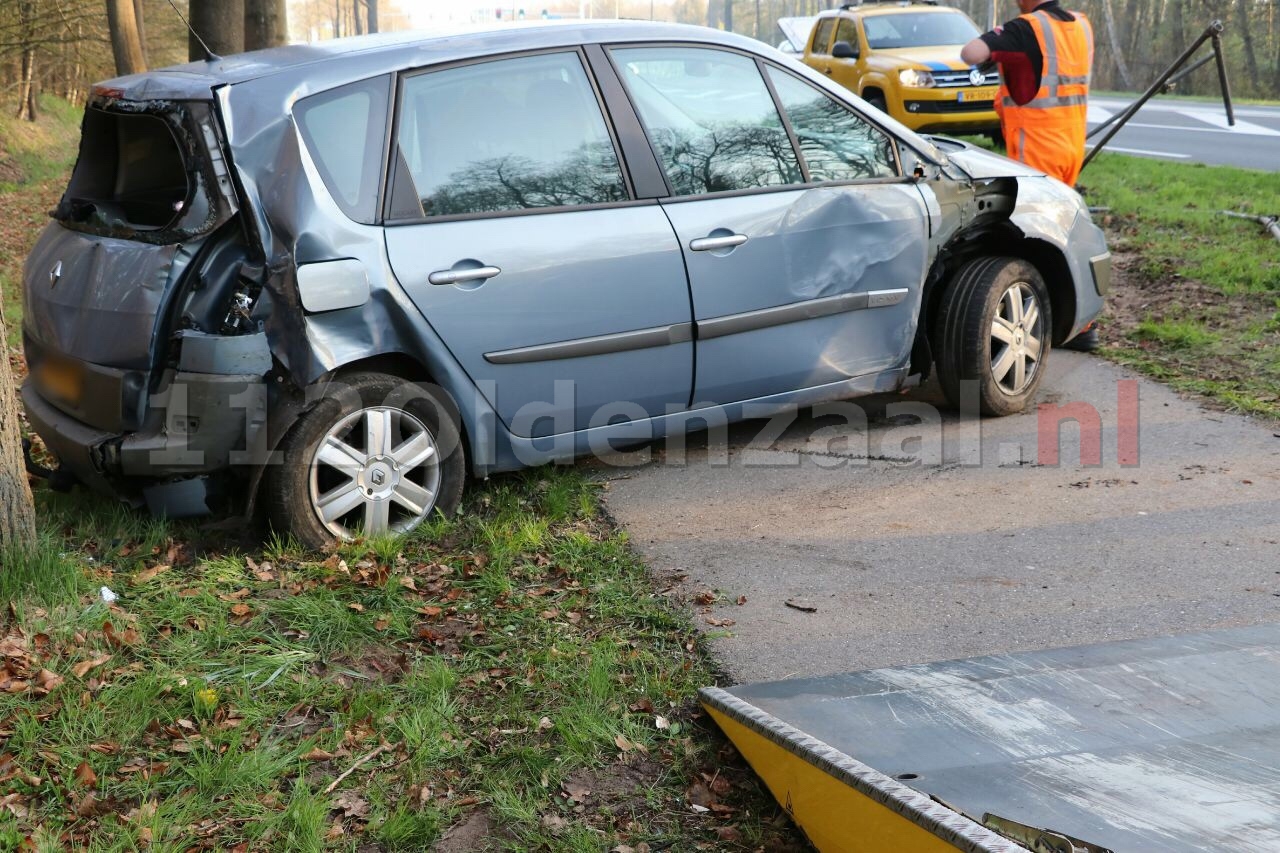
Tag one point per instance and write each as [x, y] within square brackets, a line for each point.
[1097, 115]
[1242, 128]
[1219, 122]
[1145, 152]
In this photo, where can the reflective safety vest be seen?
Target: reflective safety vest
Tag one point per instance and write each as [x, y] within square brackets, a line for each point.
[1047, 133]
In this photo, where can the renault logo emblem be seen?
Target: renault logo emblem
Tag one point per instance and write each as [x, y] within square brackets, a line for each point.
[378, 478]
[55, 274]
[976, 77]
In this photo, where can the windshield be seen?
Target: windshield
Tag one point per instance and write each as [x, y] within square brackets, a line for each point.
[919, 29]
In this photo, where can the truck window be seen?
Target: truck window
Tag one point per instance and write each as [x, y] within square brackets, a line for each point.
[822, 35]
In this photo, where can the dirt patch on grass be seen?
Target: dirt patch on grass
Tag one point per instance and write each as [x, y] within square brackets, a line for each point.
[11, 172]
[478, 831]
[1197, 338]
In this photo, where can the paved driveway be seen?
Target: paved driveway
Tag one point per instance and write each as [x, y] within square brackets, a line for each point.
[920, 562]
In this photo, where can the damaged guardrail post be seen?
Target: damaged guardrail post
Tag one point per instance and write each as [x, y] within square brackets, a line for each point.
[1112, 125]
[1270, 223]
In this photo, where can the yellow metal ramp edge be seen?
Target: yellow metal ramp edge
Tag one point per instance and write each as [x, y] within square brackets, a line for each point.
[840, 803]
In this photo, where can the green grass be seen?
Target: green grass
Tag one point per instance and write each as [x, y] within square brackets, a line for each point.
[486, 660]
[1169, 213]
[1197, 300]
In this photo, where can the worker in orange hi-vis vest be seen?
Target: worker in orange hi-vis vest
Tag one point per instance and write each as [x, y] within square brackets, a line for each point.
[1045, 56]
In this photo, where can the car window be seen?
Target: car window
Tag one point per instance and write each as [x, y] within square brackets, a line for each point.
[837, 143]
[511, 134]
[710, 118]
[918, 29]
[345, 129]
[822, 35]
[848, 31]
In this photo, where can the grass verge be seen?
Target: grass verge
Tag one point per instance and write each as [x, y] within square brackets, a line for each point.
[1196, 302]
[505, 679]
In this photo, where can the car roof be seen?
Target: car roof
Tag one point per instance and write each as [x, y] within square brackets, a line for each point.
[889, 9]
[365, 56]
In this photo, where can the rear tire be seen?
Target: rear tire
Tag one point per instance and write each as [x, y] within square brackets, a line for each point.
[377, 456]
[877, 100]
[992, 328]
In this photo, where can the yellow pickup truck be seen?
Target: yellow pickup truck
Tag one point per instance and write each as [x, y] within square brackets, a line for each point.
[904, 58]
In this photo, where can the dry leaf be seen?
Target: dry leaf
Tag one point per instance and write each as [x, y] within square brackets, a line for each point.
[544, 724]
[84, 774]
[241, 609]
[661, 722]
[148, 574]
[356, 606]
[317, 754]
[82, 668]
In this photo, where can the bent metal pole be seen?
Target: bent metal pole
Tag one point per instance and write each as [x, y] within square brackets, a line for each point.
[1113, 125]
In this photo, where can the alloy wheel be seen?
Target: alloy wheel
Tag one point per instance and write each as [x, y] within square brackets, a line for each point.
[1017, 332]
[375, 471]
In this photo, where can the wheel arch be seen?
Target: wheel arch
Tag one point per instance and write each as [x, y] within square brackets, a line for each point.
[1005, 239]
[290, 409]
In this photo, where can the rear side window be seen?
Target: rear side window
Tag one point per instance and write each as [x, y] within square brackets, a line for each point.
[822, 35]
[837, 143]
[848, 31]
[345, 131]
[505, 135]
[710, 119]
[130, 174]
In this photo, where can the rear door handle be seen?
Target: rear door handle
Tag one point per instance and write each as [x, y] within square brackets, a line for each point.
[459, 276]
[710, 244]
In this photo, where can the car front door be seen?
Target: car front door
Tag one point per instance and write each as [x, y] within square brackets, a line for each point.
[805, 270]
[513, 229]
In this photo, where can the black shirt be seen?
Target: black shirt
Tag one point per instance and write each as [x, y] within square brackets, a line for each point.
[1017, 36]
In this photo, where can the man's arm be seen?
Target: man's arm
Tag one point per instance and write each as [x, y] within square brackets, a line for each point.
[975, 52]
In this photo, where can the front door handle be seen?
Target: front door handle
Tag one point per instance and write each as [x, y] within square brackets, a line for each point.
[827, 69]
[710, 244]
[459, 276]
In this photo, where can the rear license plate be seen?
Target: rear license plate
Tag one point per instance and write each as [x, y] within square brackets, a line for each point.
[986, 93]
[62, 379]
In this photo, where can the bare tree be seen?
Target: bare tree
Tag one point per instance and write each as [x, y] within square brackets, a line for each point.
[371, 6]
[27, 109]
[126, 41]
[17, 512]
[1117, 52]
[220, 23]
[728, 16]
[265, 24]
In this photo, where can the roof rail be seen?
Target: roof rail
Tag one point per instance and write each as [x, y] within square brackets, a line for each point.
[854, 4]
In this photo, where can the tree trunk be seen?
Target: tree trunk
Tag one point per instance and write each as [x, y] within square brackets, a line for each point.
[728, 16]
[126, 44]
[713, 14]
[27, 107]
[1117, 52]
[17, 512]
[372, 7]
[220, 23]
[1250, 58]
[142, 31]
[265, 24]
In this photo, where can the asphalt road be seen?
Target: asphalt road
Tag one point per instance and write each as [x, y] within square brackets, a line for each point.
[911, 563]
[1194, 132]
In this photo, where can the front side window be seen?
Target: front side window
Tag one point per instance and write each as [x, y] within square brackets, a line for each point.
[822, 35]
[345, 129]
[710, 118]
[837, 143]
[512, 134]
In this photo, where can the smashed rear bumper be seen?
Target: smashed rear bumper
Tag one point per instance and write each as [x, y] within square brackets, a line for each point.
[198, 425]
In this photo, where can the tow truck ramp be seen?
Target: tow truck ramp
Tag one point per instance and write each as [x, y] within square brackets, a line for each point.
[1169, 744]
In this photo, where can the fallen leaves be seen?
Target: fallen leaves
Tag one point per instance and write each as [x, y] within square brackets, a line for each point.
[146, 575]
[83, 668]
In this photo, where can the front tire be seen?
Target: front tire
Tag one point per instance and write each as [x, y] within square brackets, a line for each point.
[377, 456]
[993, 328]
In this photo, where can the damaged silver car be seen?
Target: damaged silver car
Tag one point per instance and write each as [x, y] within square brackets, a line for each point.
[328, 281]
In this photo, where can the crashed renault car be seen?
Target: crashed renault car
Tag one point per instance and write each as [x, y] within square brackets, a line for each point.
[327, 282]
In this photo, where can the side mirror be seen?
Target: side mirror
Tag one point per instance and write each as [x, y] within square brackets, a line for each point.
[843, 50]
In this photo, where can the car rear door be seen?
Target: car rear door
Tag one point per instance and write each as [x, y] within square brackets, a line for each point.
[514, 229]
[804, 272]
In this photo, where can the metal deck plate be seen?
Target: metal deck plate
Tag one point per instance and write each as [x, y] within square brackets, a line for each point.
[1171, 744]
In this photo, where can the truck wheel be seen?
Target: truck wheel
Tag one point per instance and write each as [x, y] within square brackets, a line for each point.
[377, 456]
[877, 100]
[992, 328]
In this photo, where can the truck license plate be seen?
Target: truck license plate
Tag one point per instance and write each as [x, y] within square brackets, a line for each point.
[986, 93]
